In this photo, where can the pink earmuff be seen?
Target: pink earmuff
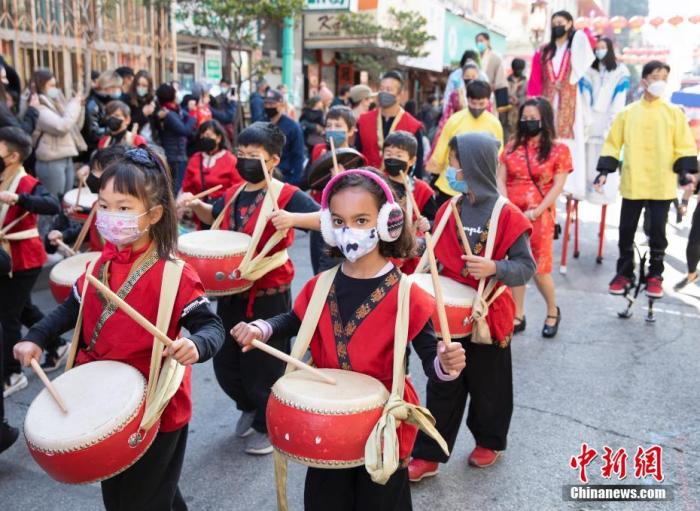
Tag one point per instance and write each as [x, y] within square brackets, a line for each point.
[389, 221]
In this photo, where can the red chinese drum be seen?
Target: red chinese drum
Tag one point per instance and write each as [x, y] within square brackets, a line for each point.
[64, 274]
[216, 256]
[81, 209]
[322, 425]
[458, 300]
[99, 437]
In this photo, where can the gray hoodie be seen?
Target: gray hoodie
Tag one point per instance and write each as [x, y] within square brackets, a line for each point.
[477, 153]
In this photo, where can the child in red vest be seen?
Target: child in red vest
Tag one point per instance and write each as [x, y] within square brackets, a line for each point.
[247, 378]
[136, 216]
[22, 198]
[399, 154]
[355, 329]
[67, 230]
[487, 380]
[117, 119]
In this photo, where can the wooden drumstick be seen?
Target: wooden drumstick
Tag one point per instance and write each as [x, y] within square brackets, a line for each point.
[65, 248]
[442, 315]
[49, 386]
[336, 170]
[460, 230]
[268, 180]
[207, 192]
[409, 195]
[86, 227]
[9, 226]
[294, 361]
[81, 183]
[130, 311]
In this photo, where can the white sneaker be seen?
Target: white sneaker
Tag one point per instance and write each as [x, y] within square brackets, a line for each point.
[14, 383]
[244, 426]
[258, 443]
[54, 258]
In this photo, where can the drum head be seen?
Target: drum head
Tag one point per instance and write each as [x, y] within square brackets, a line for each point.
[453, 293]
[100, 396]
[353, 392]
[87, 198]
[66, 272]
[320, 171]
[213, 243]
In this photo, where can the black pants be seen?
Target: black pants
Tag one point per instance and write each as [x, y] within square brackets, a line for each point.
[488, 380]
[2, 377]
[692, 251]
[150, 484]
[629, 219]
[352, 489]
[14, 295]
[247, 377]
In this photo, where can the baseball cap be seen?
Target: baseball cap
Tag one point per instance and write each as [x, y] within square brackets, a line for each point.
[360, 92]
[274, 96]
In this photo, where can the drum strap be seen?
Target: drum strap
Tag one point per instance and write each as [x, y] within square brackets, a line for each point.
[442, 223]
[10, 184]
[164, 377]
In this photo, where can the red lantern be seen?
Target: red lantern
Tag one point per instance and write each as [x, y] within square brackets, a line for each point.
[636, 23]
[676, 20]
[656, 22]
[618, 23]
[582, 23]
[600, 23]
[694, 19]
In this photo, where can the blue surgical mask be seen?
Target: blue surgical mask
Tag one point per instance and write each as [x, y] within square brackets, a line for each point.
[115, 95]
[481, 46]
[600, 54]
[338, 136]
[457, 185]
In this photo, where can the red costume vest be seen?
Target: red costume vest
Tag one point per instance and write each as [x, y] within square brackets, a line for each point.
[285, 273]
[120, 339]
[367, 131]
[371, 347]
[26, 254]
[199, 178]
[130, 139]
[448, 251]
[422, 194]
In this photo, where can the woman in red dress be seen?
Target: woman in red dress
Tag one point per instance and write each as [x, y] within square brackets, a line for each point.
[532, 174]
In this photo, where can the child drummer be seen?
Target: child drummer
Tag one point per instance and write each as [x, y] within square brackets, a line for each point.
[136, 217]
[67, 230]
[22, 197]
[356, 326]
[399, 157]
[487, 378]
[247, 378]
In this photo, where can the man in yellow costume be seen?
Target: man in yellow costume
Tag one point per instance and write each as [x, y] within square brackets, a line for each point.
[659, 154]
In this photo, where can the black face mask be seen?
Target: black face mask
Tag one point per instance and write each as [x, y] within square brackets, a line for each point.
[207, 145]
[270, 111]
[93, 183]
[394, 166]
[558, 31]
[466, 83]
[113, 123]
[530, 128]
[250, 169]
[476, 112]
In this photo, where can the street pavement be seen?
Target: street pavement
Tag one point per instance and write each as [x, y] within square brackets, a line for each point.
[604, 381]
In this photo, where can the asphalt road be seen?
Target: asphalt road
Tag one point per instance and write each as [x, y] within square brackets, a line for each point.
[602, 381]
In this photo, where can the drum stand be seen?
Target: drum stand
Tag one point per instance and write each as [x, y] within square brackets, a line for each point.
[632, 292]
[572, 217]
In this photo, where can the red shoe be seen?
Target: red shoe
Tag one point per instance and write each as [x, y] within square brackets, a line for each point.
[482, 457]
[419, 469]
[619, 285]
[654, 288]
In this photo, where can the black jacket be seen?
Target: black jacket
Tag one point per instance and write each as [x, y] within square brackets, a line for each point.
[94, 127]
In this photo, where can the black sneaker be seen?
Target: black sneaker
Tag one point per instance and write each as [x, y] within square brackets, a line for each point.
[8, 436]
[55, 357]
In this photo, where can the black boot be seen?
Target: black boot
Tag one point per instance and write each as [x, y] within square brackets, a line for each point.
[8, 436]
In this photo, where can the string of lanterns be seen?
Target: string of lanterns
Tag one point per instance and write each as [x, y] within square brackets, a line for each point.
[635, 23]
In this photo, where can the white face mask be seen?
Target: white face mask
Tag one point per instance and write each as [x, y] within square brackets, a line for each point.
[355, 243]
[657, 88]
[119, 228]
[53, 92]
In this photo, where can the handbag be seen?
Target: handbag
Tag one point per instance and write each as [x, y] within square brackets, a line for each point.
[557, 226]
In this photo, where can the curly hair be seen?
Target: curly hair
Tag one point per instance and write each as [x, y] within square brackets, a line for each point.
[405, 245]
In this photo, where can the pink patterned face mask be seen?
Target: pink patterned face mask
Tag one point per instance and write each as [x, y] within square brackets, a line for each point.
[119, 228]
